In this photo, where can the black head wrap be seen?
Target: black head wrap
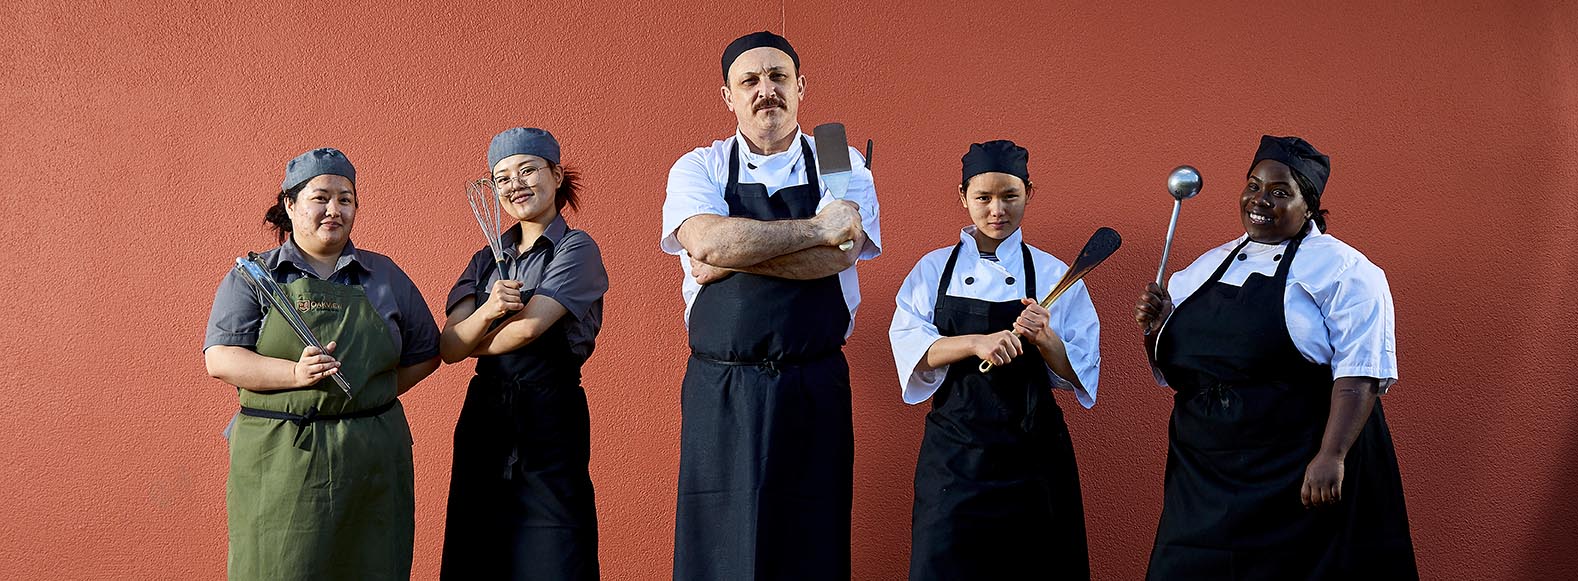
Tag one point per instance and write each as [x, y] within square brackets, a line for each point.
[1305, 161]
[756, 40]
[1298, 155]
[999, 155]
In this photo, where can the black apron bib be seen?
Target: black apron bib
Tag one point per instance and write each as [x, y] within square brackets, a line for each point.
[767, 441]
[520, 496]
[1248, 417]
[996, 486]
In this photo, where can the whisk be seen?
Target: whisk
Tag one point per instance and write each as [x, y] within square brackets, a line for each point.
[484, 201]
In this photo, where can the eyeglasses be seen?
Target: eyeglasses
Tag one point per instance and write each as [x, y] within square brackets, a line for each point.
[502, 181]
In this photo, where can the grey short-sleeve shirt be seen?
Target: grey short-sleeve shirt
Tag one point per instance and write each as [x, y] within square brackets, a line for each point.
[237, 316]
[563, 264]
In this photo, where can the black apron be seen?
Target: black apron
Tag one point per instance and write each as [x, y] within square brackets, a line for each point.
[1248, 417]
[520, 496]
[996, 487]
[767, 443]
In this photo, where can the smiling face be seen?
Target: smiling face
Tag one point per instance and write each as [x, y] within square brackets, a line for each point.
[526, 185]
[322, 214]
[996, 202]
[1271, 206]
[764, 92]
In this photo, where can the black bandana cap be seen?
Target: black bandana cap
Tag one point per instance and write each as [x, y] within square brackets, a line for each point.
[1000, 155]
[756, 40]
[523, 141]
[324, 160]
[1299, 156]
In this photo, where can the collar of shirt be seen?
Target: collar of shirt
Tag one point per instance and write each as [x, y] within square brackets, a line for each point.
[291, 254]
[1010, 259]
[1257, 248]
[511, 238]
[774, 171]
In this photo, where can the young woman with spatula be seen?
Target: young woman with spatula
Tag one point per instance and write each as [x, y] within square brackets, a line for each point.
[996, 487]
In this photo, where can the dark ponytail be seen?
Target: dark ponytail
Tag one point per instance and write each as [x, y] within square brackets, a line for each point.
[1311, 200]
[569, 188]
[277, 217]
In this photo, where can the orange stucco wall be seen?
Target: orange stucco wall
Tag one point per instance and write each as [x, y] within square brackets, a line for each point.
[142, 142]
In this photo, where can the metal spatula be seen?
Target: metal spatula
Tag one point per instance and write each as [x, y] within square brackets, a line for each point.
[1100, 246]
[832, 163]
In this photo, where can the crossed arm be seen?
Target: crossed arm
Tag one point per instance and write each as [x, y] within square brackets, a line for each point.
[467, 331]
[795, 249]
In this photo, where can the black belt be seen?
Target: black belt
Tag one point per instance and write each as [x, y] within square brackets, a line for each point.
[773, 365]
[312, 415]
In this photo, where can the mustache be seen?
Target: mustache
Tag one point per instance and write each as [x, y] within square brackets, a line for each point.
[768, 103]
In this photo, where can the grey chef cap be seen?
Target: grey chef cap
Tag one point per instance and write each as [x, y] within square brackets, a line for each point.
[523, 140]
[320, 161]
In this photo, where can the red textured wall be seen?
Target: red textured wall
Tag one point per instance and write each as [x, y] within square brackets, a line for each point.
[141, 144]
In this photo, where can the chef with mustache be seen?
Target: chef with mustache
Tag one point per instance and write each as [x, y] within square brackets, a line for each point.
[767, 441]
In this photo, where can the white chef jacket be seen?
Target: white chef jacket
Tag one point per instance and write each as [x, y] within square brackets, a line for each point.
[697, 180]
[1337, 303]
[1073, 317]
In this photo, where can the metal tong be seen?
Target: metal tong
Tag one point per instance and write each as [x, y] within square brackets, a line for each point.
[257, 276]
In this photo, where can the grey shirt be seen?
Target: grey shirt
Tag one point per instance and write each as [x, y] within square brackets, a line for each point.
[562, 264]
[237, 317]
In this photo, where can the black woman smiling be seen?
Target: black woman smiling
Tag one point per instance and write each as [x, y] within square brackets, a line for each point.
[1279, 463]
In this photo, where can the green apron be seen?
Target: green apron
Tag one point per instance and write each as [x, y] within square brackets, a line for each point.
[325, 499]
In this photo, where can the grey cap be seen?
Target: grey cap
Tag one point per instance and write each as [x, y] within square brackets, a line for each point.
[523, 140]
[320, 161]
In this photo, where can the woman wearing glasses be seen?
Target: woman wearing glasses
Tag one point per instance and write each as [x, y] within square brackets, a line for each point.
[520, 497]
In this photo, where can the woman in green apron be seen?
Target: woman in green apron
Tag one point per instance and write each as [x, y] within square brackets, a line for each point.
[320, 484]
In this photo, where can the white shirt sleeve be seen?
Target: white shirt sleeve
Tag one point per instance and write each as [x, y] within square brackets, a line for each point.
[692, 190]
[1073, 318]
[913, 330]
[1360, 325]
[863, 192]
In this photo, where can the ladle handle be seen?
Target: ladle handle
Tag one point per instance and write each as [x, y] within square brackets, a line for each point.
[1172, 228]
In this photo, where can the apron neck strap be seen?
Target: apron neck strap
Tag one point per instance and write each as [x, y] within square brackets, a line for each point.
[953, 257]
[1030, 270]
[1282, 267]
[947, 273]
[805, 153]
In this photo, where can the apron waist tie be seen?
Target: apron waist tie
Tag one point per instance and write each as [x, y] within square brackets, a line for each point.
[772, 366]
[515, 460]
[1032, 402]
[1217, 397]
[312, 415]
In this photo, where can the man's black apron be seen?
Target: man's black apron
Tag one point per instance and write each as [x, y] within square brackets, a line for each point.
[767, 443]
[520, 497]
[1248, 417]
[996, 486]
